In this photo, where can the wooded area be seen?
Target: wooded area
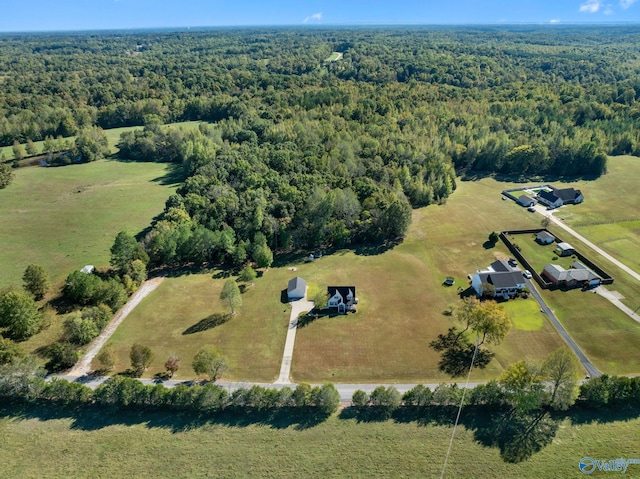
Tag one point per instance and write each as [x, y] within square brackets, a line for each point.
[305, 152]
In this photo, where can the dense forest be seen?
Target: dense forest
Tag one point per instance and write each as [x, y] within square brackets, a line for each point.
[302, 151]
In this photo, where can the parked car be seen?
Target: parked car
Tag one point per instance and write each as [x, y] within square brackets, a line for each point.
[527, 274]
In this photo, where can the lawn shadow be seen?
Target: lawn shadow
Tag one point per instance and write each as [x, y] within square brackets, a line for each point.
[173, 177]
[209, 322]
[93, 417]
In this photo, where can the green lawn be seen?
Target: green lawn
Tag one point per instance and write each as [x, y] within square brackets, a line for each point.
[252, 340]
[335, 56]
[113, 136]
[63, 218]
[610, 214]
[131, 444]
[540, 255]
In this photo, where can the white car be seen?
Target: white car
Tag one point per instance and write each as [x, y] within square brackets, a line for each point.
[527, 274]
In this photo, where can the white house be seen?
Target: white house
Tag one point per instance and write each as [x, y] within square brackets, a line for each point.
[505, 280]
[558, 197]
[550, 199]
[296, 289]
[343, 298]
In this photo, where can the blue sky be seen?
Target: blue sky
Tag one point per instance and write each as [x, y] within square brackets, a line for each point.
[28, 15]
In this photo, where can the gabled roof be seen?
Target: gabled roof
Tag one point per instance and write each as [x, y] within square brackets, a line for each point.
[524, 199]
[545, 235]
[565, 246]
[550, 196]
[297, 284]
[567, 194]
[500, 266]
[578, 272]
[343, 291]
[502, 280]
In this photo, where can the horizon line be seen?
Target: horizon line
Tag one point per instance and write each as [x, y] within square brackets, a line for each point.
[327, 25]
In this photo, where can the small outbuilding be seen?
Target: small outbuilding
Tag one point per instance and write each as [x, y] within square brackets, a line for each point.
[565, 249]
[526, 201]
[88, 269]
[296, 289]
[544, 237]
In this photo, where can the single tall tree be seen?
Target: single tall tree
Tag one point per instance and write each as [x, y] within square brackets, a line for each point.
[141, 357]
[231, 295]
[6, 175]
[19, 314]
[210, 362]
[18, 151]
[36, 281]
[561, 368]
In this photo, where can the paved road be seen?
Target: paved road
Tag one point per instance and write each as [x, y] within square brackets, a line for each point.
[540, 209]
[588, 365]
[605, 293]
[297, 307]
[83, 366]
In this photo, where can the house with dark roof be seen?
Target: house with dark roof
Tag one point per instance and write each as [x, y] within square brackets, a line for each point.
[544, 237]
[500, 280]
[526, 201]
[557, 197]
[296, 288]
[578, 275]
[342, 298]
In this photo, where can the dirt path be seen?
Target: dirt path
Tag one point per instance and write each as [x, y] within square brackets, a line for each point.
[83, 366]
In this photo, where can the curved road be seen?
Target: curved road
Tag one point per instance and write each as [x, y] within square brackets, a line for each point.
[588, 365]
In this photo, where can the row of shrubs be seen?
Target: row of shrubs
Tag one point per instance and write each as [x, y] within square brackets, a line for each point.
[207, 398]
[595, 393]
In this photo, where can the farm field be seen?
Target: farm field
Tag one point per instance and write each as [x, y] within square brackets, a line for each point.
[63, 218]
[131, 444]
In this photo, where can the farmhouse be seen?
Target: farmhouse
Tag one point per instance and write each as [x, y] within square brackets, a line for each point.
[343, 298]
[565, 249]
[526, 201]
[577, 275]
[506, 280]
[544, 237]
[296, 289]
[556, 197]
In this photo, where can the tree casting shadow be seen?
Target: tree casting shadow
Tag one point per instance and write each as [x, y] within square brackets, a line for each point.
[209, 322]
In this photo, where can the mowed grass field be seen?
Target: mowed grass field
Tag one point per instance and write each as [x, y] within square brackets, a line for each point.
[64, 218]
[130, 444]
[610, 214]
[113, 136]
[252, 340]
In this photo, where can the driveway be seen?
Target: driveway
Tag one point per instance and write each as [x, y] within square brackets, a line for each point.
[297, 307]
[83, 366]
[549, 213]
[588, 365]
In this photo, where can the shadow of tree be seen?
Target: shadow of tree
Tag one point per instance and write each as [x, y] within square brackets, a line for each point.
[93, 417]
[209, 322]
[457, 353]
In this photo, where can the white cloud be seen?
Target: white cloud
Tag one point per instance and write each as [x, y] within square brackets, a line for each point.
[316, 17]
[627, 3]
[608, 10]
[554, 20]
[591, 6]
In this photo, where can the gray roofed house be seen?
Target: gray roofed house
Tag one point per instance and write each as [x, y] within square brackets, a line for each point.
[550, 199]
[577, 275]
[565, 249]
[569, 195]
[342, 297]
[505, 279]
[296, 289]
[544, 237]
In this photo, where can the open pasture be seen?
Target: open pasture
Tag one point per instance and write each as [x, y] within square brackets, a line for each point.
[63, 218]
